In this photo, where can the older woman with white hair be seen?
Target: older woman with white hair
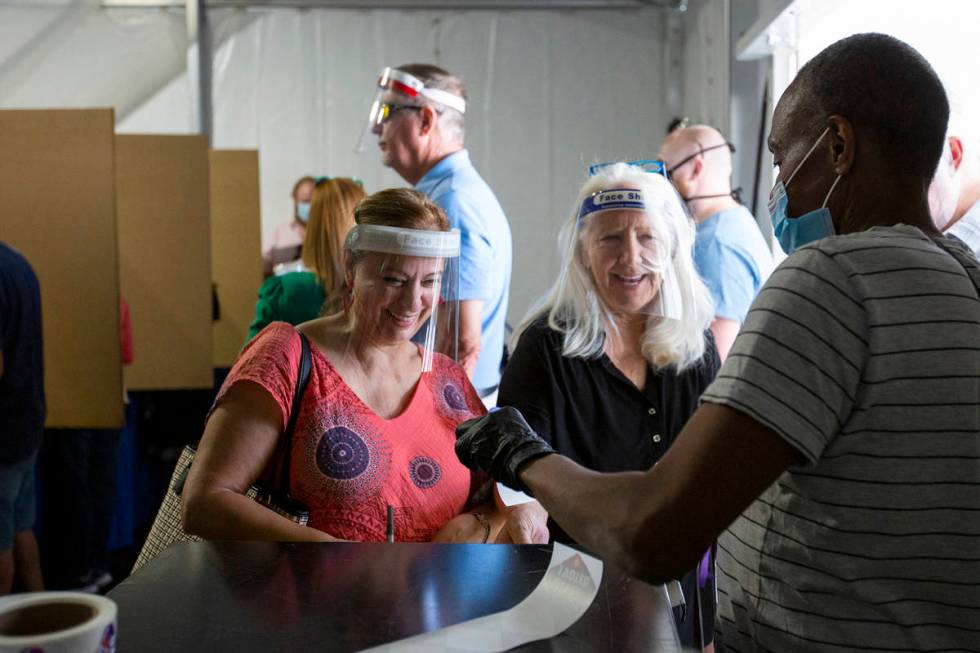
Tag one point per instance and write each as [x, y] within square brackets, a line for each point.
[611, 363]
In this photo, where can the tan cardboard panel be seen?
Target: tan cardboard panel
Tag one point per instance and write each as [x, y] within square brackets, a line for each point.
[236, 247]
[57, 207]
[165, 259]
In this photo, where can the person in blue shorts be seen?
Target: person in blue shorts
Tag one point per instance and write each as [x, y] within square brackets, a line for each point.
[22, 412]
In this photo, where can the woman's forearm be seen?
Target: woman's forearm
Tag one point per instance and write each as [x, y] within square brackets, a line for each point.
[228, 515]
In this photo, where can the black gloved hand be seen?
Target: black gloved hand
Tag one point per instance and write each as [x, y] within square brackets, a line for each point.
[499, 443]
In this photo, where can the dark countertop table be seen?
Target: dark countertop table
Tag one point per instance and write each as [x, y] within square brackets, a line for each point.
[264, 596]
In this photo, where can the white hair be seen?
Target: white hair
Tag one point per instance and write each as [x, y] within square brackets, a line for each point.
[574, 308]
[450, 122]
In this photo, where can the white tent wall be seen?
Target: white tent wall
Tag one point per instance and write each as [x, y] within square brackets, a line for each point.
[705, 70]
[749, 117]
[550, 90]
[944, 32]
[784, 35]
[549, 93]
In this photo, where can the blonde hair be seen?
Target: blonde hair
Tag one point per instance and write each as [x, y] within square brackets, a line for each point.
[331, 217]
[394, 207]
[574, 308]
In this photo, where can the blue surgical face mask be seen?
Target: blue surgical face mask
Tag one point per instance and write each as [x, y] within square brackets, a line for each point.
[793, 233]
[303, 211]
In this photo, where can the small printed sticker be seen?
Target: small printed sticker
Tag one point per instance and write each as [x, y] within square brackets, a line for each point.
[575, 572]
[108, 643]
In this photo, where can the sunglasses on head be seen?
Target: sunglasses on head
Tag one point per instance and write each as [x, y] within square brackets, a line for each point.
[654, 166]
[700, 152]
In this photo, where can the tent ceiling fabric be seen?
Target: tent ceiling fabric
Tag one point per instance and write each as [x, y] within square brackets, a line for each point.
[412, 4]
[80, 55]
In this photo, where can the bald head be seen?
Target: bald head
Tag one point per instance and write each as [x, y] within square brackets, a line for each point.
[690, 141]
[699, 161]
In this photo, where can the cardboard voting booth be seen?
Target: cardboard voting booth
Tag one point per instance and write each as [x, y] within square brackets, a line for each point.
[236, 247]
[162, 185]
[57, 190]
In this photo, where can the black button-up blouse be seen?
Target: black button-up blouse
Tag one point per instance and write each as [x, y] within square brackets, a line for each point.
[590, 412]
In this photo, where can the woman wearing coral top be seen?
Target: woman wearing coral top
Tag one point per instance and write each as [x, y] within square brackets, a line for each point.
[376, 422]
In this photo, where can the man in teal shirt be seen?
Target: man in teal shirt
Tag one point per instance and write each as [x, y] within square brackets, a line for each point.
[420, 135]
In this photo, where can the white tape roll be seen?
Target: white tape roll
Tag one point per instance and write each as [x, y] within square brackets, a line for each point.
[57, 622]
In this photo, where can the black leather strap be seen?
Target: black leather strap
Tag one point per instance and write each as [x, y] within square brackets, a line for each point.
[280, 475]
[285, 444]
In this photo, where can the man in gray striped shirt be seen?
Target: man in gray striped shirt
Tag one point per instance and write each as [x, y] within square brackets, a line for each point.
[837, 456]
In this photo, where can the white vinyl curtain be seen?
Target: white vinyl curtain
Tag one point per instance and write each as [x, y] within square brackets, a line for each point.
[549, 93]
[550, 90]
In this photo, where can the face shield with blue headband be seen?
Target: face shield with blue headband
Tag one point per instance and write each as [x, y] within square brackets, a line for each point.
[399, 91]
[405, 287]
[627, 243]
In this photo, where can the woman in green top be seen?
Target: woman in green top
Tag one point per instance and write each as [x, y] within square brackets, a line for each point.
[304, 289]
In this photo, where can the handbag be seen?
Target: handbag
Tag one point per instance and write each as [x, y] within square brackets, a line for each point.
[272, 492]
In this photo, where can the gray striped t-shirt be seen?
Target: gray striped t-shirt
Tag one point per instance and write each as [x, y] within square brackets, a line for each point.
[863, 352]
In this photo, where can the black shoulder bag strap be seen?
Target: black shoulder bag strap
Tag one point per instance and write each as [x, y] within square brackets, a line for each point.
[277, 490]
[284, 448]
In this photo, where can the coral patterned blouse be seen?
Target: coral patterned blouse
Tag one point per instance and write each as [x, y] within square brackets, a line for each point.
[348, 464]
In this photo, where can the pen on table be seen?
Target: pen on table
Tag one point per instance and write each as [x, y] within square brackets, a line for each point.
[391, 524]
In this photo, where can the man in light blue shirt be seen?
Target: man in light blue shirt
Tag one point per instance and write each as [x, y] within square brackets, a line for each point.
[420, 135]
[967, 229]
[954, 195]
[730, 253]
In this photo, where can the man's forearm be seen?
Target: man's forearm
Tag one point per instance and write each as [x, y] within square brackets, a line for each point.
[603, 512]
[656, 524]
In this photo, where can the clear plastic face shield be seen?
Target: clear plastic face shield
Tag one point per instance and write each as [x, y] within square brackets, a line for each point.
[628, 250]
[403, 288]
[400, 91]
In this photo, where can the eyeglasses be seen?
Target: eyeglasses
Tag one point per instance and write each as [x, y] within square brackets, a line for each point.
[386, 111]
[700, 152]
[654, 166]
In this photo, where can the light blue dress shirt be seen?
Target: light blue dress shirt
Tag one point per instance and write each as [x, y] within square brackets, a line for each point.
[733, 260]
[485, 252]
[967, 229]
